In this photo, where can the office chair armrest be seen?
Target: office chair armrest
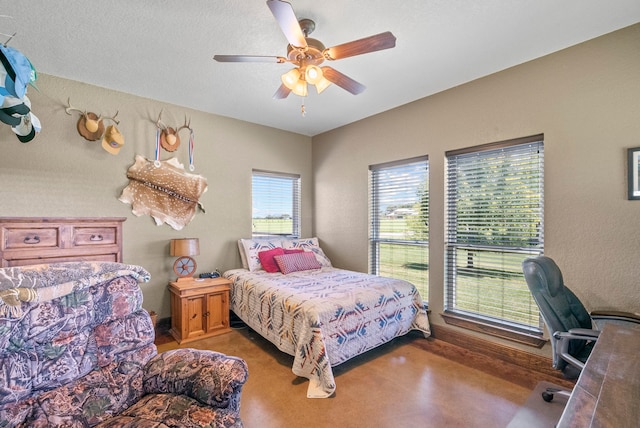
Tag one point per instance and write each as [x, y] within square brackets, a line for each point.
[564, 337]
[577, 333]
[603, 315]
[584, 333]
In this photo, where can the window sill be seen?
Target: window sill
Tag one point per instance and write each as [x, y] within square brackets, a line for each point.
[529, 339]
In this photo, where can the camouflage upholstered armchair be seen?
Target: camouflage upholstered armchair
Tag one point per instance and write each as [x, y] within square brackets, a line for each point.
[77, 350]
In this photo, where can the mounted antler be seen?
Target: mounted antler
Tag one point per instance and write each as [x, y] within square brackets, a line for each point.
[169, 139]
[112, 118]
[91, 121]
[70, 108]
[186, 125]
[159, 122]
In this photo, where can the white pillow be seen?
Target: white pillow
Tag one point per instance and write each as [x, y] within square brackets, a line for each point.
[243, 256]
[309, 244]
[251, 249]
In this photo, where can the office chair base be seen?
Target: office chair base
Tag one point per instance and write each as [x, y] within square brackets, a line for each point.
[548, 394]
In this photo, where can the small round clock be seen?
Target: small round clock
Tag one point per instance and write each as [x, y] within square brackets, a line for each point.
[184, 266]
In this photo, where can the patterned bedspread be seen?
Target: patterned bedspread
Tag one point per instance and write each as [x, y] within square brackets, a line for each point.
[325, 317]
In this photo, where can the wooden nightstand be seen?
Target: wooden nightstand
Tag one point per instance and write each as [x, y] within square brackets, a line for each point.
[199, 308]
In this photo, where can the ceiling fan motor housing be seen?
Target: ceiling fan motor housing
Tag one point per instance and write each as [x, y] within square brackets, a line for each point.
[311, 55]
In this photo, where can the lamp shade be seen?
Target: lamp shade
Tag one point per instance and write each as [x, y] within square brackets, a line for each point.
[185, 247]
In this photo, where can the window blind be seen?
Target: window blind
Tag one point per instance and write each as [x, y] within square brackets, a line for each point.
[494, 219]
[399, 230]
[275, 204]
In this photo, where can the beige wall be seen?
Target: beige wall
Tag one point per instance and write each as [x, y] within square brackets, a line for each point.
[586, 101]
[59, 174]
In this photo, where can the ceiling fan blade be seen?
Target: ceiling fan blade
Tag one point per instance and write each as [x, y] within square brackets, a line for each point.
[283, 12]
[282, 92]
[374, 43]
[249, 58]
[342, 80]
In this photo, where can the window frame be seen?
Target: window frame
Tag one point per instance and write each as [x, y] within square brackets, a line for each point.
[504, 328]
[415, 246]
[280, 181]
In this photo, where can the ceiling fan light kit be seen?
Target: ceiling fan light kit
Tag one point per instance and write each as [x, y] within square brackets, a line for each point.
[306, 54]
[296, 81]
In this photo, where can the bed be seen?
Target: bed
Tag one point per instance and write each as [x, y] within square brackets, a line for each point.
[321, 315]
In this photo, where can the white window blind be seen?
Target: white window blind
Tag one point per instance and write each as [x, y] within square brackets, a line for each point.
[275, 204]
[494, 221]
[399, 231]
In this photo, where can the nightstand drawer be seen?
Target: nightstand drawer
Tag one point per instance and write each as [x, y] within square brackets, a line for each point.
[15, 238]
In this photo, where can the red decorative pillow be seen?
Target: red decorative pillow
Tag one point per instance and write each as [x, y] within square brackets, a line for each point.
[267, 259]
[293, 250]
[296, 262]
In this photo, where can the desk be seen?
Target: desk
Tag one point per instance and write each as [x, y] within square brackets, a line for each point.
[607, 393]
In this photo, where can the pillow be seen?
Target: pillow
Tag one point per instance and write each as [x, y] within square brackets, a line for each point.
[267, 259]
[293, 250]
[253, 246]
[243, 256]
[310, 244]
[297, 262]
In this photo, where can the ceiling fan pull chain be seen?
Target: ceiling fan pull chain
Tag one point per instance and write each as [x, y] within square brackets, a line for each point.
[302, 110]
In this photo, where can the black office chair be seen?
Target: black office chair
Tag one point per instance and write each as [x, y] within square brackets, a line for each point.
[573, 330]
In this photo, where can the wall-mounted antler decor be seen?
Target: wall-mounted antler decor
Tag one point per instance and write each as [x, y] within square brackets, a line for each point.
[90, 125]
[167, 137]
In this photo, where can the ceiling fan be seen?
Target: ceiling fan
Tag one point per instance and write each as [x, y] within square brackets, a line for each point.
[307, 54]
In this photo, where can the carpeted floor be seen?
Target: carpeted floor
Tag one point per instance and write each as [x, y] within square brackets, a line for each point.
[537, 413]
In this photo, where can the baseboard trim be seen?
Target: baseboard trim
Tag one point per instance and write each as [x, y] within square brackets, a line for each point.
[518, 366]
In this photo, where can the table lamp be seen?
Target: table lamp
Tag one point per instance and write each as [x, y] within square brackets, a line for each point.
[185, 265]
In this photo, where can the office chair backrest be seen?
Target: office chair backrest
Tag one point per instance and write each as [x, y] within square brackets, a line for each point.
[560, 308]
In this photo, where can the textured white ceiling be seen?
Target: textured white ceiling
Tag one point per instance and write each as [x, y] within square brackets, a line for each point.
[163, 49]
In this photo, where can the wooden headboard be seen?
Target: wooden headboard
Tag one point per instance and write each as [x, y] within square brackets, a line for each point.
[35, 240]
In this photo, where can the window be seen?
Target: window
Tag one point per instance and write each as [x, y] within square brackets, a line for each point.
[276, 204]
[494, 221]
[399, 232]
